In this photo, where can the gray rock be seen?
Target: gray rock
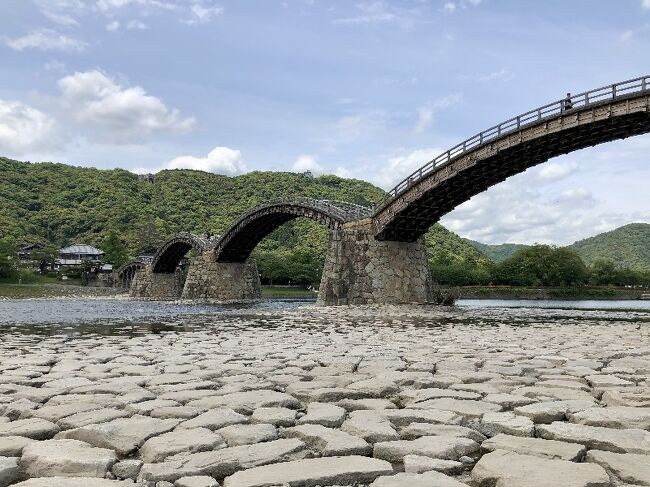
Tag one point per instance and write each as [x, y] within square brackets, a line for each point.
[124, 435]
[507, 422]
[127, 469]
[245, 434]
[274, 416]
[311, 472]
[549, 411]
[508, 468]
[329, 442]
[35, 428]
[626, 467]
[224, 462]
[404, 417]
[197, 481]
[363, 404]
[247, 402]
[416, 430]
[595, 438]
[92, 417]
[535, 446]
[73, 482]
[462, 407]
[327, 415]
[214, 419]
[370, 426]
[620, 417]
[66, 458]
[12, 446]
[196, 440]
[420, 464]
[9, 471]
[428, 479]
[443, 447]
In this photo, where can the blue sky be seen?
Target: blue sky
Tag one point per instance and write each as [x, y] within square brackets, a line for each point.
[366, 89]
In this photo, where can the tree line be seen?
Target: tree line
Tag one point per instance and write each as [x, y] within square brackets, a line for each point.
[538, 265]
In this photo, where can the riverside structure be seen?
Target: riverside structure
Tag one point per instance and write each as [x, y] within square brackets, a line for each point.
[377, 255]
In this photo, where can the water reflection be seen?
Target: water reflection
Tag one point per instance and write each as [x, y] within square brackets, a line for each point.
[70, 318]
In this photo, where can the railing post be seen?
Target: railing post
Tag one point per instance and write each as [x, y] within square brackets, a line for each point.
[613, 91]
[643, 84]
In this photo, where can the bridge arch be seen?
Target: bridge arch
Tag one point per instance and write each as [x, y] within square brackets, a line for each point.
[247, 231]
[126, 272]
[602, 115]
[173, 250]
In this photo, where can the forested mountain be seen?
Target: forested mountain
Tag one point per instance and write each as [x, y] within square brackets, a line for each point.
[57, 204]
[497, 253]
[627, 246]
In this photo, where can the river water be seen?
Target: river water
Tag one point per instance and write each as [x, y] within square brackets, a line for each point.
[116, 316]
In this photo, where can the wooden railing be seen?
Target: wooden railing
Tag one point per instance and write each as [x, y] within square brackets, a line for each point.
[581, 100]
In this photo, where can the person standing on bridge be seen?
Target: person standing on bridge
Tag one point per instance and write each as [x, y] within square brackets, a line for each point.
[568, 104]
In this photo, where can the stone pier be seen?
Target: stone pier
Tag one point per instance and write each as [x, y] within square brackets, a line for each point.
[156, 285]
[208, 279]
[361, 270]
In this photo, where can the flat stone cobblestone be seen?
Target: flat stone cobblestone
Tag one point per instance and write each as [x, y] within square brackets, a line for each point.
[347, 396]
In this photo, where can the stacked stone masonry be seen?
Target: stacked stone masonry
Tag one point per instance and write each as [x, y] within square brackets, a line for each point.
[362, 270]
[208, 279]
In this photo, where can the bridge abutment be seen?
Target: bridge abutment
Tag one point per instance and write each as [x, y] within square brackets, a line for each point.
[208, 279]
[155, 285]
[362, 270]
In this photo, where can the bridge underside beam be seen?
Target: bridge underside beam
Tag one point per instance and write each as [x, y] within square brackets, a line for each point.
[362, 270]
[410, 215]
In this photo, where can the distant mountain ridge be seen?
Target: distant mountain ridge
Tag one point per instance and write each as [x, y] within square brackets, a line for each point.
[627, 246]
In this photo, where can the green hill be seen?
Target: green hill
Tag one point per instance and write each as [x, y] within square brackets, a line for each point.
[497, 253]
[59, 204]
[627, 246]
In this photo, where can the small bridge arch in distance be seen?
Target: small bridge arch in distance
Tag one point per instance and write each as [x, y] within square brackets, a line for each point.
[173, 250]
[247, 231]
[126, 272]
[602, 115]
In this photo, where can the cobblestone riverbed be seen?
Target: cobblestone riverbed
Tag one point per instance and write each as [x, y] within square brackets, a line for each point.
[379, 396]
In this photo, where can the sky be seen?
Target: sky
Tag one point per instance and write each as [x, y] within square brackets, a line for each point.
[368, 89]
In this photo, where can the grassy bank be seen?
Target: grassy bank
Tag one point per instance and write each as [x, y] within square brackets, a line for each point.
[52, 289]
[569, 292]
[279, 292]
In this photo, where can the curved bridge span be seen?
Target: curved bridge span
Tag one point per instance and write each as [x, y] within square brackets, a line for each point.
[242, 237]
[605, 114]
[173, 250]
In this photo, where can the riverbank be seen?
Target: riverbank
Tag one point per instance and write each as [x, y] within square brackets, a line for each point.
[564, 293]
[54, 289]
[316, 396]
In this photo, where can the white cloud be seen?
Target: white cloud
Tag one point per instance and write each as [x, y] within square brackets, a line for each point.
[46, 40]
[113, 26]
[499, 75]
[521, 211]
[554, 171]
[307, 163]
[200, 13]
[400, 166]
[116, 114]
[136, 25]
[381, 12]
[23, 128]
[60, 11]
[426, 114]
[221, 160]
[645, 4]
[449, 7]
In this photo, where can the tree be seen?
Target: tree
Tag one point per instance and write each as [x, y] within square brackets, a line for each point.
[542, 265]
[7, 258]
[148, 237]
[115, 250]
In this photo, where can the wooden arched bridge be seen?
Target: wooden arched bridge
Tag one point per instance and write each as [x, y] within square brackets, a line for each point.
[377, 254]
